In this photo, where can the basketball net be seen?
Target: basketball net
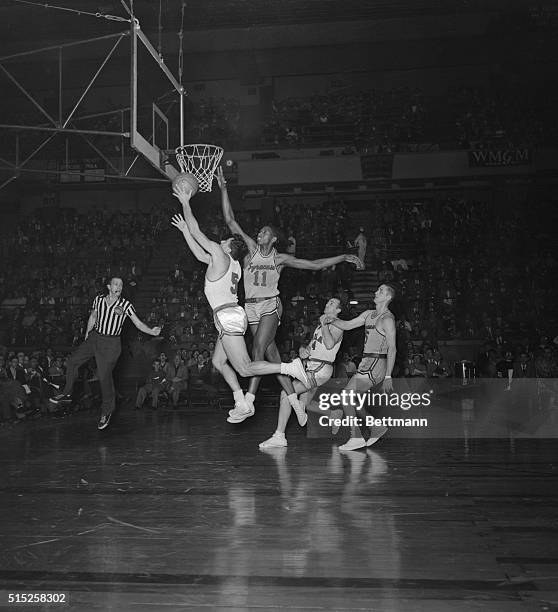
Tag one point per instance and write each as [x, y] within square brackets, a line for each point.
[201, 160]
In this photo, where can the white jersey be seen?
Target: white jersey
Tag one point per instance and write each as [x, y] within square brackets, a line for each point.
[318, 349]
[224, 290]
[261, 276]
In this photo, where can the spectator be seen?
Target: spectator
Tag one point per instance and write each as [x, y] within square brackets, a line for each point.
[153, 386]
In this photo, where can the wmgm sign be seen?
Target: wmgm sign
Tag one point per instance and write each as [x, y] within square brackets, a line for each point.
[500, 157]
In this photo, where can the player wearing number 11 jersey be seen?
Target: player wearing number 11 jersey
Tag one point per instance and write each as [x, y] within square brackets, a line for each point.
[221, 282]
[262, 267]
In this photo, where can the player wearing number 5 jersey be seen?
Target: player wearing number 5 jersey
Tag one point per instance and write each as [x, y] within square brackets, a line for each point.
[262, 268]
[221, 282]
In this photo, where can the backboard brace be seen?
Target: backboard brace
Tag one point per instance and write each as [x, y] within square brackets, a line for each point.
[65, 118]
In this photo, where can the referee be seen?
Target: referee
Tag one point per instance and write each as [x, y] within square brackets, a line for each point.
[102, 341]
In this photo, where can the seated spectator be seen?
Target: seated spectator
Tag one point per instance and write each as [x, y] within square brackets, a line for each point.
[417, 367]
[200, 378]
[38, 393]
[177, 378]
[153, 386]
[441, 370]
[56, 372]
[524, 367]
[15, 371]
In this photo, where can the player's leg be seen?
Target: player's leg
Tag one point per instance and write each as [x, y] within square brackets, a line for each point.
[272, 354]
[263, 334]
[359, 384]
[235, 348]
[221, 364]
[285, 409]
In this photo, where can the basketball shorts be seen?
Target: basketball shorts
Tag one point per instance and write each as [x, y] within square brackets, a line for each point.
[318, 373]
[256, 310]
[230, 321]
[374, 368]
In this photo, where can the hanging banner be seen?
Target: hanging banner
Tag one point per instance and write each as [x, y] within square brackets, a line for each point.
[500, 157]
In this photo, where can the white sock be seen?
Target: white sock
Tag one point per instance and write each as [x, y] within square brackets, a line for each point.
[238, 395]
[293, 400]
[250, 397]
[279, 434]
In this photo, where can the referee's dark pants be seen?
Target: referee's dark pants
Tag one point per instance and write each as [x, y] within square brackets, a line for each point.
[106, 350]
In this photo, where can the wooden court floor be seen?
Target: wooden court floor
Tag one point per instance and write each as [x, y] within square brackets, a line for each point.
[181, 511]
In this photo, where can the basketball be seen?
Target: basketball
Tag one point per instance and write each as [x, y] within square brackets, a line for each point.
[185, 179]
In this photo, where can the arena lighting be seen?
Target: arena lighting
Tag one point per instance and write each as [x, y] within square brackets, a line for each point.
[353, 302]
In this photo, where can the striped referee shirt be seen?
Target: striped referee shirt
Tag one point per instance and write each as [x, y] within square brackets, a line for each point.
[110, 319]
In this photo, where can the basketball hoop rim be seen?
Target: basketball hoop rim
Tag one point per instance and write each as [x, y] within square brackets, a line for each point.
[201, 160]
[198, 144]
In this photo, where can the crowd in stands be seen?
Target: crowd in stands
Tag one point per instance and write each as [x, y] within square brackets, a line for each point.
[366, 118]
[500, 114]
[56, 261]
[470, 268]
[402, 119]
[214, 120]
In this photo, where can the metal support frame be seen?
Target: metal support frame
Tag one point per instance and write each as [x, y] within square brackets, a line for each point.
[151, 153]
[69, 125]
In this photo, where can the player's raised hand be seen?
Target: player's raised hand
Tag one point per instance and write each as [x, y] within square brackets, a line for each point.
[179, 222]
[354, 260]
[182, 191]
[155, 331]
[326, 319]
[221, 181]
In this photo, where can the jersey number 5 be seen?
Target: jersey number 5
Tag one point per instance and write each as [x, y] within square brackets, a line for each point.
[234, 278]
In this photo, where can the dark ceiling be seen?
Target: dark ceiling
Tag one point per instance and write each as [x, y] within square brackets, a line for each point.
[29, 21]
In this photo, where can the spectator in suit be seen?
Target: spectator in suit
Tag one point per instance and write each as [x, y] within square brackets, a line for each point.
[16, 371]
[483, 361]
[200, 378]
[35, 375]
[523, 367]
[177, 378]
[152, 387]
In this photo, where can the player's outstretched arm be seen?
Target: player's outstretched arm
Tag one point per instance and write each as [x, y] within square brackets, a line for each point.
[351, 324]
[183, 194]
[290, 261]
[180, 224]
[228, 213]
[331, 336]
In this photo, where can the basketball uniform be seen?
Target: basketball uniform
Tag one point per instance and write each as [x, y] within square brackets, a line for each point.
[319, 365]
[261, 280]
[228, 316]
[374, 357]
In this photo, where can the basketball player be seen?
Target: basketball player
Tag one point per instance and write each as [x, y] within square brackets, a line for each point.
[319, 358]
[262, 268]
[221, 281]
[102, 341]
[377, 361]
